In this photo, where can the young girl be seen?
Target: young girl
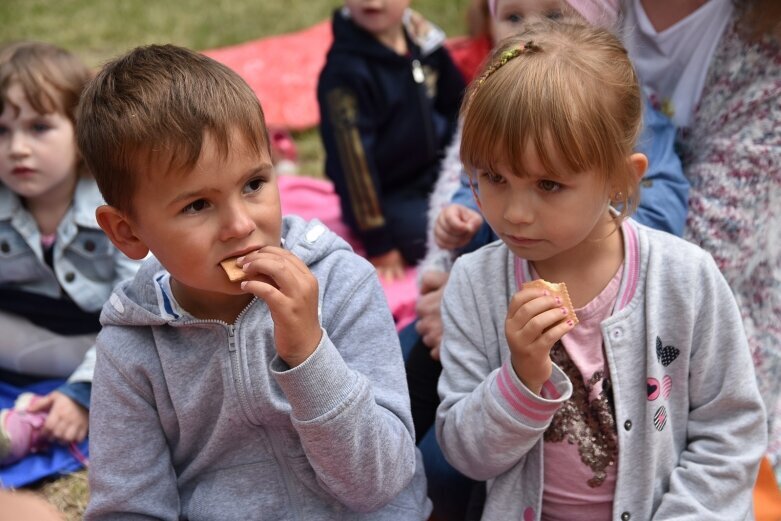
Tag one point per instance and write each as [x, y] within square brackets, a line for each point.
[647, 408]
[57, 268]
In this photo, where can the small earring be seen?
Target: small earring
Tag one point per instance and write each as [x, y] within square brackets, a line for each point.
[618, 196]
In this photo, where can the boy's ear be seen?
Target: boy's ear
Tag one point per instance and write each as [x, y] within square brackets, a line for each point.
[120, 230]
[639, 164]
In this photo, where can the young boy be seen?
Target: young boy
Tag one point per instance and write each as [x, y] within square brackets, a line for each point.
[281, 396]
[388, 107]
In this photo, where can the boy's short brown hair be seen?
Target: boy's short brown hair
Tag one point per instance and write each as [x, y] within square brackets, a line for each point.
[150, 110]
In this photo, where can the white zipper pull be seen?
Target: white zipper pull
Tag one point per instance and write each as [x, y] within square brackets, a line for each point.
[417, 72]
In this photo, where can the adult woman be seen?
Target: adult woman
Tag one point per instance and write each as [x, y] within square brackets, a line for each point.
[725, 97]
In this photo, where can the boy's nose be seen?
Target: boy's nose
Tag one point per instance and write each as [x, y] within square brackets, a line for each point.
[237, 223]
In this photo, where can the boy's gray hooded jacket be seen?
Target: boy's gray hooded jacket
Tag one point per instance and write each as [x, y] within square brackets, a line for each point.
[197, 420]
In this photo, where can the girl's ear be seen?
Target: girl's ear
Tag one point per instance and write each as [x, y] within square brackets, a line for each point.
[639, 164]
[120, 230]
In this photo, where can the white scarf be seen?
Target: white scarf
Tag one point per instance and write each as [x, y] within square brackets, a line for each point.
[673, 64]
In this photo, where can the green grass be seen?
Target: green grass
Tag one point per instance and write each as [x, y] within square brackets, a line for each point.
[98, 30]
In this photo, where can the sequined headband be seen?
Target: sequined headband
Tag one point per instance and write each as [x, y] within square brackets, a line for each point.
[506, 56]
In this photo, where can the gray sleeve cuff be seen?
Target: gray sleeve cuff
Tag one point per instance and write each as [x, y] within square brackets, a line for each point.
[317, 386]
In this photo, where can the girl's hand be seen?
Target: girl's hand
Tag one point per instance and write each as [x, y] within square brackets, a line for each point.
[455, 226]
[290, 290]
[536, 320]
[67, 421]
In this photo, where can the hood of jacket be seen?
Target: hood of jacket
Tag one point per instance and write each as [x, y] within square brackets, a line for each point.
[135, 302]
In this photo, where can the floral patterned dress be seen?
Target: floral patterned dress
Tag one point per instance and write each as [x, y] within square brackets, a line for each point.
[732, 156]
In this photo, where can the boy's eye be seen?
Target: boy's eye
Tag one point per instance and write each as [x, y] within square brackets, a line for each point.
[555, 14]
[3, 129]
[546, 185]
[40, 127]
[253, 185]
[514, 18]
[195, 206]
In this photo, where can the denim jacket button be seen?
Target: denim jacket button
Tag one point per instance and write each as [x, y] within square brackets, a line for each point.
[89, 246]
[626, 516]
[5, 247]
[628, 425]
[70, 276]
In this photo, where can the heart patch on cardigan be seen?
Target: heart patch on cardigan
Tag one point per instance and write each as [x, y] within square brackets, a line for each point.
[665, 354]
[652, 389]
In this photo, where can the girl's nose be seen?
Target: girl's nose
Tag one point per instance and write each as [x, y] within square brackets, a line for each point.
[19, 146]
[518, 210]
[238, 223]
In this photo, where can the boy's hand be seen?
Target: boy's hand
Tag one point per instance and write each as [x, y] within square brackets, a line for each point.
[428, 308]
[455, 226]
[390, 266]
[67, 421]
[290, 290]
[536, 320]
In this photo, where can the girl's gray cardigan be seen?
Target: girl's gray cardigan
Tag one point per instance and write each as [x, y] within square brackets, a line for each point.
[692, 455]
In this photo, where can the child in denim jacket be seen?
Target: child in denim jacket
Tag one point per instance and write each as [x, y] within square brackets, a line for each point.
[57, 268]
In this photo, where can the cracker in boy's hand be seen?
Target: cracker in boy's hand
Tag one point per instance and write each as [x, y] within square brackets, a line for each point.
[559, 290]
[234, 272]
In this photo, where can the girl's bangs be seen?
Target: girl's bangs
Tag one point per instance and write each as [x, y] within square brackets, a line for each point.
[538, 107]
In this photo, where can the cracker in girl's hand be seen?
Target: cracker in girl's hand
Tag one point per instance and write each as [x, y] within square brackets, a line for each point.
[557, 289]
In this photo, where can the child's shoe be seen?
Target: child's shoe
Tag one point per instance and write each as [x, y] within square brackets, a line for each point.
[20, 434]
[25, 400]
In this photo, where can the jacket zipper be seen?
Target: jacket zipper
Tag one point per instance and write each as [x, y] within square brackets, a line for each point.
[420, 79]
[282, 462]
[238, 377]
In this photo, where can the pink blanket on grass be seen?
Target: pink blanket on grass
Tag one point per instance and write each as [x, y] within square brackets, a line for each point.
[283, 70]
[315, 199]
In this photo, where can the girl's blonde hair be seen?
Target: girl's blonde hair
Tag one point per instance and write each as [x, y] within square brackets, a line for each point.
[51, 78]
[567, 89]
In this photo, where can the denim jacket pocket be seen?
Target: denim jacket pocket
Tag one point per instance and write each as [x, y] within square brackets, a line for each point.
[92, 255]
[18, 263]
